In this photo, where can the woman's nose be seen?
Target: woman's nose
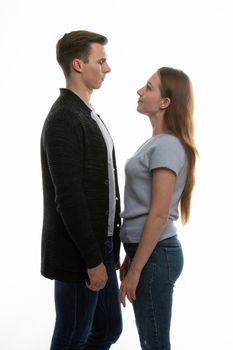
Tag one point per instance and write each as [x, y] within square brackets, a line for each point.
[140, 91]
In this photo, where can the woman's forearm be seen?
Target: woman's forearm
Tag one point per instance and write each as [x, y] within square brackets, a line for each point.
[151, 233]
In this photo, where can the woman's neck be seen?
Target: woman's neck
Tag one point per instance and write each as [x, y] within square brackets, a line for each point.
[157, 126]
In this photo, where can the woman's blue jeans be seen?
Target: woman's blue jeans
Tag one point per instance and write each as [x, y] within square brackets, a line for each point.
[153, 304]
[87, 320]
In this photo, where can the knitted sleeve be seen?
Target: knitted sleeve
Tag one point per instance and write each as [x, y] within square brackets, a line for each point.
[63, 146]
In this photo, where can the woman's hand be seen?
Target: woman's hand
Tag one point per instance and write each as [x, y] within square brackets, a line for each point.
[129, 285]
[124, 268]
[118, 265]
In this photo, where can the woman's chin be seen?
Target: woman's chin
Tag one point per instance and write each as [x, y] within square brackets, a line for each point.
[139, 109]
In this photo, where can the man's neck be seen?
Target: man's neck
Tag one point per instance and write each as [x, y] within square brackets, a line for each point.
[82, 92]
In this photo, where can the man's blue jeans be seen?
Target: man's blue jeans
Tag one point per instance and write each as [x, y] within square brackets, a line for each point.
[153, 304]
[87, 320]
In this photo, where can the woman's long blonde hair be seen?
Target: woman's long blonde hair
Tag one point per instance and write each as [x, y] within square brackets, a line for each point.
[178, 120]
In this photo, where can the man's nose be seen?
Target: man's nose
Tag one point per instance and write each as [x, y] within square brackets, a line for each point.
[107, 69]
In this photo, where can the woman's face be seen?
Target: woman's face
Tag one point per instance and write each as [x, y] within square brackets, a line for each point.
[150, 99]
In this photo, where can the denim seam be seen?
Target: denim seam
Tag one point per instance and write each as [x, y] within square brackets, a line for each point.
[105, 313]
[75, 320]
[168, 265]
[169, 268]
[152, 304]
[104, 306]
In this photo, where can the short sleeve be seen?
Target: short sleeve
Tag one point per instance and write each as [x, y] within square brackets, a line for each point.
[166, 152]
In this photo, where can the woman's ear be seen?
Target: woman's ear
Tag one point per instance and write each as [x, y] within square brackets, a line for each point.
[165, 102]
[77, 65]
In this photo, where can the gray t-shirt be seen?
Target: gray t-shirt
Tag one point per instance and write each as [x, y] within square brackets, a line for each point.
[160, 151]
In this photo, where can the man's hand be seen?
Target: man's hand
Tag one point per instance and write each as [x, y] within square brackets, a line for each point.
[97, 277]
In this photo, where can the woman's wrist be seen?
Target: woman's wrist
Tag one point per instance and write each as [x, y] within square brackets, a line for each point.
[135, 269]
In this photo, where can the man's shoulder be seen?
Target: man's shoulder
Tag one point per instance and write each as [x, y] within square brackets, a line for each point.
[69, 106]
[64, 110]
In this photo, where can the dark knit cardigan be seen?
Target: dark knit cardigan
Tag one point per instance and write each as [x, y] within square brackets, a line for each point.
[76, 193]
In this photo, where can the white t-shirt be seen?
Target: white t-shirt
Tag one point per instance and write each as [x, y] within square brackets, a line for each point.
[160, 151]
[111, 178]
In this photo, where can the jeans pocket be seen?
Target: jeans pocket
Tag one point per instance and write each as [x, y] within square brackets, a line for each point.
[175, 262]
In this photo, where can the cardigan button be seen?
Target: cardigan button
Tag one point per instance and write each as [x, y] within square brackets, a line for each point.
[106, 182]
[107, 213]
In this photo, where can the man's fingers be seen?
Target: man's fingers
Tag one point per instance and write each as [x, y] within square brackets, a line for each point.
[98, 277]
[92, 287]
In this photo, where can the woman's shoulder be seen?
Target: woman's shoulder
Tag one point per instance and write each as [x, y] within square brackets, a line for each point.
[163, 138]
[167, 140]
[167, 144]
[167, 151]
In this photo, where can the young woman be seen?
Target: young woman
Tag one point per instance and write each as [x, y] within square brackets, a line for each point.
[159, 182]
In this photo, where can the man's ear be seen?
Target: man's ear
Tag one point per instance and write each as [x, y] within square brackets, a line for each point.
[77, 64]
[165, 102]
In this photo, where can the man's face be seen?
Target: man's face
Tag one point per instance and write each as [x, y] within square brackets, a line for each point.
[95, 70]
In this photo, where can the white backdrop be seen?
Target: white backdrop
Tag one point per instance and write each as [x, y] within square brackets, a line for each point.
[143, 35]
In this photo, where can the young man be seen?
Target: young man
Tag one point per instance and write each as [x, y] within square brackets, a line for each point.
[80, 238]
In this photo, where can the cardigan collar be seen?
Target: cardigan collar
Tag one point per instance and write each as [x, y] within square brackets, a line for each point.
[74, 98]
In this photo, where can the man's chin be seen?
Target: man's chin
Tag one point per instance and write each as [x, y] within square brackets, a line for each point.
[98, 86]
